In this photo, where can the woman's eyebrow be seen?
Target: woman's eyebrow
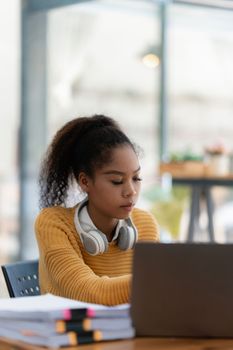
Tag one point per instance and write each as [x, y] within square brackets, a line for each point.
[116, 172]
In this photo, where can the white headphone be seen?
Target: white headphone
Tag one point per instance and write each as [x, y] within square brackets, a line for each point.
[94, 241]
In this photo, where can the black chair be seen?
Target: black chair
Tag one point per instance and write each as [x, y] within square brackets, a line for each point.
[22, 278]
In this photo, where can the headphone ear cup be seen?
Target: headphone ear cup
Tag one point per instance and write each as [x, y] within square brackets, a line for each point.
[127, 237]
[95, 242]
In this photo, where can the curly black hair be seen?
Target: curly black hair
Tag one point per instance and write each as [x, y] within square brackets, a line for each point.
[82, 145]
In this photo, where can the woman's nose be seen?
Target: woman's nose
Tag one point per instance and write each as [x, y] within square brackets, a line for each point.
[129, 190]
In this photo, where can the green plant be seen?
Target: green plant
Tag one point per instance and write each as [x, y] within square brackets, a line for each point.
[168, 213]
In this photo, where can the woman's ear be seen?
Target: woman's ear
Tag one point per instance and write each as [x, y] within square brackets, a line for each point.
[83, 182]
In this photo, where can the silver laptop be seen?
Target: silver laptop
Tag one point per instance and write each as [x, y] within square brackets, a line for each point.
[183, 290]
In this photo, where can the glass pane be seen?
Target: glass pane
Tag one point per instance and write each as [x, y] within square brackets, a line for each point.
[95, 66]
[200, 77]
[9, 101]
[200, 98]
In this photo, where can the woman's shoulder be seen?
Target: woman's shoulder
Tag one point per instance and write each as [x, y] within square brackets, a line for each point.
[141, 214]
[146, 224]
[56, 212]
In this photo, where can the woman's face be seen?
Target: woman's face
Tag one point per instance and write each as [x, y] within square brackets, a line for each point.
[114, 190]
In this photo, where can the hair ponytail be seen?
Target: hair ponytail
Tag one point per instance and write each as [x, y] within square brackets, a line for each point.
[83, 144]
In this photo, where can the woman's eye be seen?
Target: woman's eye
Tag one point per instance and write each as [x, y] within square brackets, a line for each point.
[137, 178]
[116, 182]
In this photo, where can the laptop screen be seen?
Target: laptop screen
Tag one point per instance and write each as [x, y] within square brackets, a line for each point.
[183, 289]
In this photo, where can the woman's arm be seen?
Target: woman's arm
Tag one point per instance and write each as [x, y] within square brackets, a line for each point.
[62, 268]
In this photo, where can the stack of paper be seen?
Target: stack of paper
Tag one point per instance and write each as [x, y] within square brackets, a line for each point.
[52, 321]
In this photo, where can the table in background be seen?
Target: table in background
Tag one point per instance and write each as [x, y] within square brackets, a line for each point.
[135, 344]
[201, 188]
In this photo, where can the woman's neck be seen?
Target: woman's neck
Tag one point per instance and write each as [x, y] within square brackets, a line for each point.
[103, 223]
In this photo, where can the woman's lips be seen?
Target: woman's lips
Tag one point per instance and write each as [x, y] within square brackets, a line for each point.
[127, 207]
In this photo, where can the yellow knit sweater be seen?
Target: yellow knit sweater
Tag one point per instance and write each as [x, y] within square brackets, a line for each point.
[66, 269]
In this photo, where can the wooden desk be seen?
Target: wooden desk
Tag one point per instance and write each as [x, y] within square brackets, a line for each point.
[201, 187]
[136, 344]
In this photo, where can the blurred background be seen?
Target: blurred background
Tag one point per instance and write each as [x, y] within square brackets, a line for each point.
[163, 69]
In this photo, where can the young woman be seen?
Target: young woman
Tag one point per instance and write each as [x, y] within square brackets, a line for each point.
[86, 250]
